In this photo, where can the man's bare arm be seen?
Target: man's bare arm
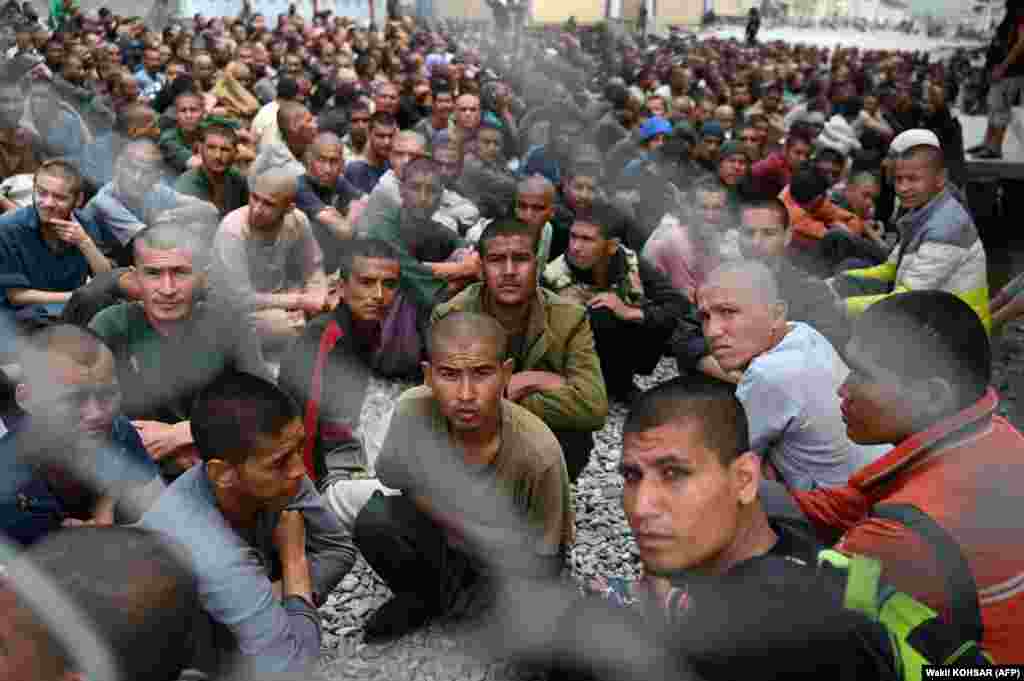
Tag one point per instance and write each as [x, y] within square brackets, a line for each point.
[32, 296]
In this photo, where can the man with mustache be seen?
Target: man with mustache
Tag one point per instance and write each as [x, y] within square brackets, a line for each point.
[172, 345]
[629, 302]
[485, 490]
[557, 373]
[332, 379]
[216, 180]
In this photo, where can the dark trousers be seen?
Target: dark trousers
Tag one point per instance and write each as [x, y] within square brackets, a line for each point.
[846, 286]
[576, 447]
[411, 554]
[625, 349]
[846, 251]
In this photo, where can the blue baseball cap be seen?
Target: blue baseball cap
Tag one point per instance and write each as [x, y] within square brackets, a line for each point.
[655, 125]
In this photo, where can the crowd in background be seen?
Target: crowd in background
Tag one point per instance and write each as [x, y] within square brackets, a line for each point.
[218, 233]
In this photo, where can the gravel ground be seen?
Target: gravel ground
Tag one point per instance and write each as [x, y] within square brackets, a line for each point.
[603, 547]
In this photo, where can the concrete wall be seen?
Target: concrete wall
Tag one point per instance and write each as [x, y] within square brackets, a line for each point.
[680, 12]
[472, 10]
[558, 11]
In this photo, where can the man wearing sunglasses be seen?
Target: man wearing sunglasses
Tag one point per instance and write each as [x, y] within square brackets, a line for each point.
[72, 458]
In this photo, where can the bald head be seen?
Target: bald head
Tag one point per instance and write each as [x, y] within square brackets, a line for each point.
[537, 185]
[741, 313]
[325, 139]
[278, 183]
[749, 276]
[467, 328]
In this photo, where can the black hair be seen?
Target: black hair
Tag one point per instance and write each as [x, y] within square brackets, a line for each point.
[807, 185]
[617, 95]
[710, 402]
[366, 248]
[287, 88]
[769, 203]
[605, 216]
[136, 589]
[382, 119]
[921, 335]
[233, 412]
[829, 154]
[506, 227]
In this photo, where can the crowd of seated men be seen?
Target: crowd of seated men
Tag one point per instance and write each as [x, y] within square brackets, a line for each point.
[213, 237]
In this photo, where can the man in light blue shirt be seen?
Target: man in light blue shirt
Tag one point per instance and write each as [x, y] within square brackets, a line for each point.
[149, 77]
[787, 375]
[123, 206]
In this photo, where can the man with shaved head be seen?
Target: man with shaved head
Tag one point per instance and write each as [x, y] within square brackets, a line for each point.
[939, 247]
[325, 196]
[256, 252]
[535, 206]
[298, 129]
[788, 375]
[485, 490]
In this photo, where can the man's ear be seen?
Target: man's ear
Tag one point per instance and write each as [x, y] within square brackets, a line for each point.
[80, 201]
[507, 369]
[428, 375]
[222, 474]
[789, 236]
[745, 472]
[781, 309]
[22, 395]
[935, 398]
[613, 246]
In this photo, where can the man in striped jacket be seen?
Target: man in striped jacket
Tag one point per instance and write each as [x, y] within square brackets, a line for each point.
[939, 245]
[921, 366]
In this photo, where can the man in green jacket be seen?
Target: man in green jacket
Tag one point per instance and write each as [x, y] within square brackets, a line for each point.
[557, 371]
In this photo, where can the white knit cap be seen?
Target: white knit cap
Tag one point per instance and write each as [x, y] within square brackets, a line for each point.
[916, 137]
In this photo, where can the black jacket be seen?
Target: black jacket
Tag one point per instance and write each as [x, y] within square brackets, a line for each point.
[810, 300]
[344, 381]
[951, 136]
[776, 613]
[664, 307]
